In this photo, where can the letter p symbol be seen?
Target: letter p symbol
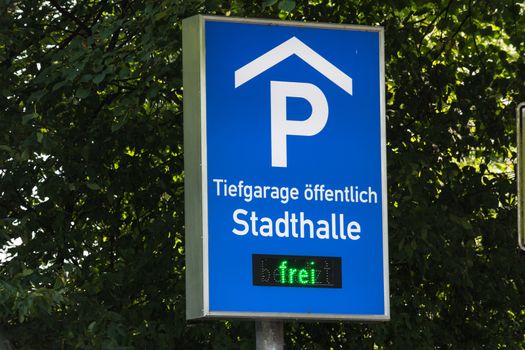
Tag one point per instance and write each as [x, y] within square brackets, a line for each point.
[282, 127]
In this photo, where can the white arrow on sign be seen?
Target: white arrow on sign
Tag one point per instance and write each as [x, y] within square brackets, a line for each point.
[293, 46]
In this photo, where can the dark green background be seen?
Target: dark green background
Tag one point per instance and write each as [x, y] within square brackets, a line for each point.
[91, 175]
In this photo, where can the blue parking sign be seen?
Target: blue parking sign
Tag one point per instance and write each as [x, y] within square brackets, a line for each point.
[285, 165]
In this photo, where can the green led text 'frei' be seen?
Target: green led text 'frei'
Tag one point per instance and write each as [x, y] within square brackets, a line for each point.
[292, 275]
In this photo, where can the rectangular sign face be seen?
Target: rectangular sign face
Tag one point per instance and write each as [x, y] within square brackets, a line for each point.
[296, 271]
[285, 170]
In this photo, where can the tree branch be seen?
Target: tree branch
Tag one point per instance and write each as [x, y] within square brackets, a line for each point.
[81, 25]
[446, 46]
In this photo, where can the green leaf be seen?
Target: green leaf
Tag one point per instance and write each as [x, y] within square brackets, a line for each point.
[99, 77]
[267, 3]
[93, 186]
[82, 92]
[6, 148]
[28, 117]
[287, 5]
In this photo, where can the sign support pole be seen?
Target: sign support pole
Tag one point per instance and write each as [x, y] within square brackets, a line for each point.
[520, 116]
[269, 335]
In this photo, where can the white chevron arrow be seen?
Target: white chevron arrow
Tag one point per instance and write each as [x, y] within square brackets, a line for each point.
[293, 46]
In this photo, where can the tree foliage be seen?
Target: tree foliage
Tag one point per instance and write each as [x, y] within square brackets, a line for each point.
[91, 174]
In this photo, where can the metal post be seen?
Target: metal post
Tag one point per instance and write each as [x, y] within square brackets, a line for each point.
[269, 335]
[520, 116]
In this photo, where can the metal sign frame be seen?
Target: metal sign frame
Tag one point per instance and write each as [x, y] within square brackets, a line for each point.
[196, 173]
[520, 133]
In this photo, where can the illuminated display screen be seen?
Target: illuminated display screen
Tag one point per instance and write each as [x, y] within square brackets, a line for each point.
[296, 271]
